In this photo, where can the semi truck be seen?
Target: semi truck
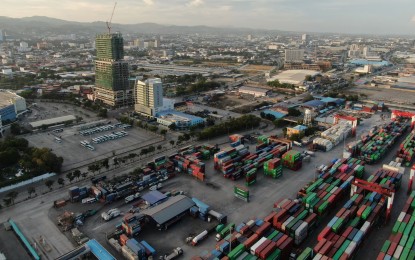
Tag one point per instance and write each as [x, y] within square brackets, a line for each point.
[175, 254]
[228, 229]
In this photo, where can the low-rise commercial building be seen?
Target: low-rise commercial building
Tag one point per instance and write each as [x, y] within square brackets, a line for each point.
[180, 119]
[11, 105]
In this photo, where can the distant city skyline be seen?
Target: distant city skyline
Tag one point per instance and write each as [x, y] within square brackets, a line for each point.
[342, 16]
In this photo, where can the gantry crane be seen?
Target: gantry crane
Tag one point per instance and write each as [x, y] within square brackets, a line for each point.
[404, 114]
[339, 117]
[110, 20]
[384, 190]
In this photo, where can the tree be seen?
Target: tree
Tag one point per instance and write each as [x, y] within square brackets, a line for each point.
[105, 163]
[172, 142]
[70, 177]
[49, 184]
[31, 190]
[103, 113]
[7, 201]
[84, 175]
[12, 196]
[307, 98]
[61, 182]
[293, 112]
[172, 126]
[159, 147]
[77, 174]
[116, 162]
[279, 122]
[163, 131]
[308, 78]
[15, 129]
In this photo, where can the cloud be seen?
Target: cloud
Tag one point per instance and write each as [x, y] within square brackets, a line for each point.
[149, 2]
[195, 3]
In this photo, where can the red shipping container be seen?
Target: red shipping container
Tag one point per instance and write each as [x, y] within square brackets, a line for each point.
[280, 241]
[323, 233]
[262, 247]
[340, 212]
[261, 230]
[339, 242]
[251, 241]
[326, 248]
[123, 239]
[319, 245]
[270, 217]
[381, 256]
[392, 248]
[268, 250]
[286, 248]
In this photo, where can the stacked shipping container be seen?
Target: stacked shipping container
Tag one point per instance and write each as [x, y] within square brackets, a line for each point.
[273, 168]
[400, 244]
[407, 147]
[292, 160]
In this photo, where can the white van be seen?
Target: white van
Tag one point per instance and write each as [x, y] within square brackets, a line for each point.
[88, 200]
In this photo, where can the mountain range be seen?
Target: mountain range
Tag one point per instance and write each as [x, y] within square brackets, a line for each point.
[45, 25]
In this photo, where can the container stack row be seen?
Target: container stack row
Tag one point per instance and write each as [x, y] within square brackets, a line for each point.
[407, 148]
[337, 133]
[273, 168]
[342, 166]
[132, 249]
[253, 239]
[401, 243]
[293, 219]
[190, 165]
[292, 160]
[377, 142]
[345, 232]
[322, 144]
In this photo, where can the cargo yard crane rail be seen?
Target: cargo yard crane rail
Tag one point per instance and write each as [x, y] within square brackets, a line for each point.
[374, 187]
[404, 114]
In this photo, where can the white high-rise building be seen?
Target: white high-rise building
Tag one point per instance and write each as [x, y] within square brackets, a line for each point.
[249, 37]
[294, 55]
[1, 36]
[305, 38]
[148, 97]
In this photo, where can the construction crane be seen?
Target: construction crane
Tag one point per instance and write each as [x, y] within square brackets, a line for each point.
[110, 20]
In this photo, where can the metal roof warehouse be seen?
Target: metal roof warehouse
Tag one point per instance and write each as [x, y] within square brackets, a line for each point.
[170, 211]
[53, 121]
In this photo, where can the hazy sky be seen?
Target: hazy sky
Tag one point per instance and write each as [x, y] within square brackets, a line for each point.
[355, 16]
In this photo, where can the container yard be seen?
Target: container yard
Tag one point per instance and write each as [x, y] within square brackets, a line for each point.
[407, 149]
[373, 145]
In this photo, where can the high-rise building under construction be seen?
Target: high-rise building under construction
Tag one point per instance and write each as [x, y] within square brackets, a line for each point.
[111, 71]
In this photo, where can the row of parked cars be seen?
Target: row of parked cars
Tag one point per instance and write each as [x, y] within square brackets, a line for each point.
[96, 130]
[112, 136]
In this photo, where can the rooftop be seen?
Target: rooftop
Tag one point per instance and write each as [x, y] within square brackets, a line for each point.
[174, 115]
[53, 121]
[246, 88]
[169, 209]
[6, 97]
[274, 113]
[153, 197]
[295, 77]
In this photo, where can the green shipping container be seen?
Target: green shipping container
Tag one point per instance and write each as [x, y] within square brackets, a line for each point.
[275, 255]
[237, 251]
[306, 254]
[410, 242]
[385, 246]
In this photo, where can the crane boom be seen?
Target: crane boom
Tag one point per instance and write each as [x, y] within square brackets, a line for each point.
[110, 20]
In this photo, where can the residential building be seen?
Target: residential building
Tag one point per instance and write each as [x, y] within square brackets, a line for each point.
[148, 97]
[305, 38]
[1, 36]
[294, 55]
[111, 71]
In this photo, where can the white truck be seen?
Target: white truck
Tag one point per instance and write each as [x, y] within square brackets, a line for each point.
[175, 254]
[110, 214]
[133, 197]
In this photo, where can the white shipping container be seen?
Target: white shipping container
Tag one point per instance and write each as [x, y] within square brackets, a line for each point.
[318, 256]
[284, 225]
[350, 249]
[401, 216]
[257, 244]
[398, 252]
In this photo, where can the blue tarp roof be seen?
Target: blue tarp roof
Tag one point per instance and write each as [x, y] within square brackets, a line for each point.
[99, 251]
[314, 103]
[328, 100]
[154, 197]
[300, 127]
[274, 113]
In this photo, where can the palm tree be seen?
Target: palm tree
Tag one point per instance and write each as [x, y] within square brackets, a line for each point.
[61, 182]
[70, 176]
[49, 184]
[31, 190]
[12, 196]
[84, 174]
[77, 174]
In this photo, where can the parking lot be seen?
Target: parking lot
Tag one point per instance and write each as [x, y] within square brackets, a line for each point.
[76, 155]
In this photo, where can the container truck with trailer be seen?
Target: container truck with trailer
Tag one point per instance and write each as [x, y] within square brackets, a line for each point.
[110, 214]
[174, 255]
[228, 229]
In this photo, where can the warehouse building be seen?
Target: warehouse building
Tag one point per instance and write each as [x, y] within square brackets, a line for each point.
[154, 197]
[53, 121]
[256, 92]
[314, 105]
[180, 119]
[170, 211]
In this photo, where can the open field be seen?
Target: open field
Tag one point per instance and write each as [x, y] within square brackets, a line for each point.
[386, 95]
